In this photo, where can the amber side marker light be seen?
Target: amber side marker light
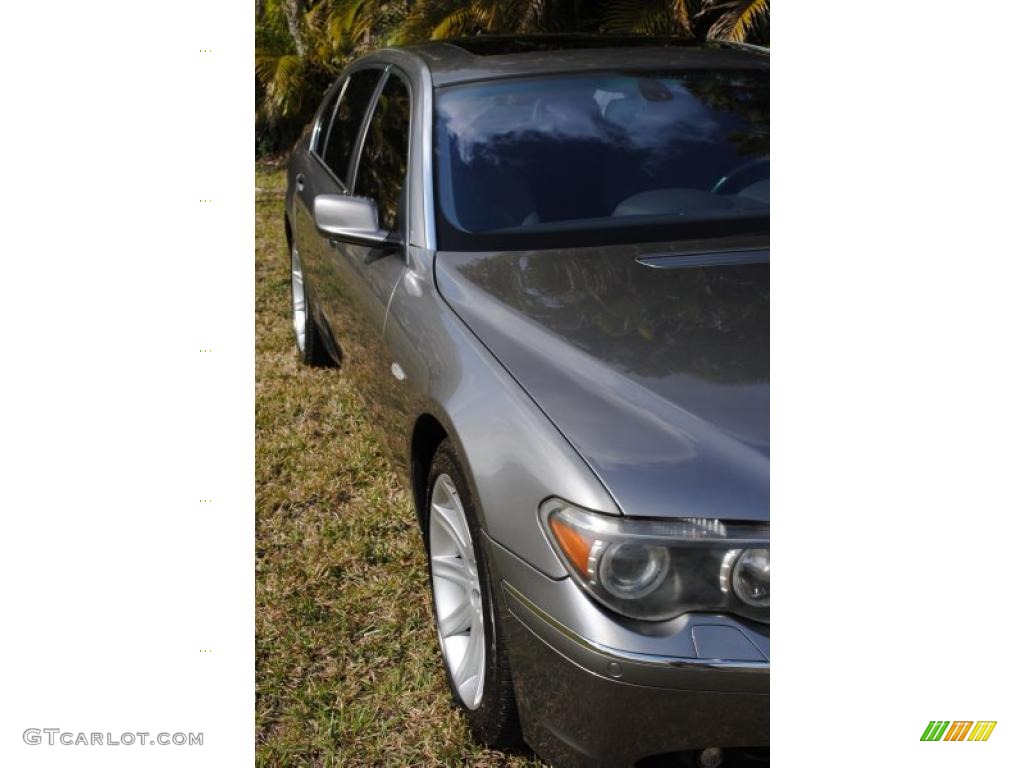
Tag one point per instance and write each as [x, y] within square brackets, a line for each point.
[572, 542]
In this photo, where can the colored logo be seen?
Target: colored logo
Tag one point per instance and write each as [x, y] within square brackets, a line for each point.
[958, 730]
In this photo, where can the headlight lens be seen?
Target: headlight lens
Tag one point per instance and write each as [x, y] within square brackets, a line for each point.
[631, 571]
[751, 577]
[658, 569]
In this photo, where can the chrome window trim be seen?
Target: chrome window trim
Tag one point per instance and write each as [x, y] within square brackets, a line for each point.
[427, 167]
[334, 111]
[326, 114]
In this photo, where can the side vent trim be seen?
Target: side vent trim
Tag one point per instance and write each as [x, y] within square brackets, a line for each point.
[690, 260]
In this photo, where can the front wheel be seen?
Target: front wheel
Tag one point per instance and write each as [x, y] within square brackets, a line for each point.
[473, 650]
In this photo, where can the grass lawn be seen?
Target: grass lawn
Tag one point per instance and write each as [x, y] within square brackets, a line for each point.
[348, 671]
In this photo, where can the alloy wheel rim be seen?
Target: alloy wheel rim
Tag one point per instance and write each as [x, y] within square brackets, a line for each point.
[298, 302]
[458, 603]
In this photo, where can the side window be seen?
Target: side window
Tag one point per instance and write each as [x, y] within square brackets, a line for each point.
[380, 174]
[344, 128]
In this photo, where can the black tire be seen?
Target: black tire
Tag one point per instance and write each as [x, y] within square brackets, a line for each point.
[315, 354]
[495, 722]
[312, 350]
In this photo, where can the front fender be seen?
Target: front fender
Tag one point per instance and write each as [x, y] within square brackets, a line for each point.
[513, 454]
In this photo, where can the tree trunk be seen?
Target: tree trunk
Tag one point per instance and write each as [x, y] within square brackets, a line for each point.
[293, 10]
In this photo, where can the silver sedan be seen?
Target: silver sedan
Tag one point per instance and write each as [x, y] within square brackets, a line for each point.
[544, 261]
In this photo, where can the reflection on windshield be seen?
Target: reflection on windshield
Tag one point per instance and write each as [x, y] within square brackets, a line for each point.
[585, 151]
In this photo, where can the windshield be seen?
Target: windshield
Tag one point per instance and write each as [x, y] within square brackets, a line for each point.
[597, 158]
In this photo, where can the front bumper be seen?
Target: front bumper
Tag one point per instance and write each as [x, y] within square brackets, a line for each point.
[584, 700]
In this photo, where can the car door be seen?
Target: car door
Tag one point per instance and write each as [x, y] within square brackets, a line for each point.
[332, 153]
[358, 280]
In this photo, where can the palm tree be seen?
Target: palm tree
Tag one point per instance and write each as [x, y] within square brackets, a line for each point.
[442, 19]
[732, 20]
[651, 17]
[301, 45]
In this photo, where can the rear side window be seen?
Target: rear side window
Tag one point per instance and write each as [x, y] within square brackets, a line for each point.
[381, 171]
[344, 128]
[324, 114]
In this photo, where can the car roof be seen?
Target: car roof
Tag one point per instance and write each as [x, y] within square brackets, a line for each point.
[490, 57]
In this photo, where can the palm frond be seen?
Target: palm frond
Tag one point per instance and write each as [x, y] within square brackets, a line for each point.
[491, 12]
[282, 77]
[645, 17]
[683, 12]
[459, 22]
[735, 18]
[350, 23]
[424, 16]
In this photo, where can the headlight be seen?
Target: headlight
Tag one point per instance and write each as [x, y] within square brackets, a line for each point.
[658, 569]
[751, 577]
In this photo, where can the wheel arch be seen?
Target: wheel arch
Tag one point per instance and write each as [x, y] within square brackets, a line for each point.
[427, 434]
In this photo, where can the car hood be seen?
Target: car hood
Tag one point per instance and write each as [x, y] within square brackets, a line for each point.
[652, 362]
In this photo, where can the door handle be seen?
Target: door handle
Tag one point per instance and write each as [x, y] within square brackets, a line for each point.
[300, 181]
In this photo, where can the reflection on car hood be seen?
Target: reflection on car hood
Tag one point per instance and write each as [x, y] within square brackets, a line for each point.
[652, 361]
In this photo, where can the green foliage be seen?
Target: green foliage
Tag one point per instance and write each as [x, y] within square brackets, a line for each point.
[301, 45]
[646, 17]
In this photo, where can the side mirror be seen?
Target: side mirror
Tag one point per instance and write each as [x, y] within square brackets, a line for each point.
[351, 220]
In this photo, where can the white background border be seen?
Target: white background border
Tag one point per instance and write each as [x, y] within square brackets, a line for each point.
[114, 425]
[897, 408]
[896, 372]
